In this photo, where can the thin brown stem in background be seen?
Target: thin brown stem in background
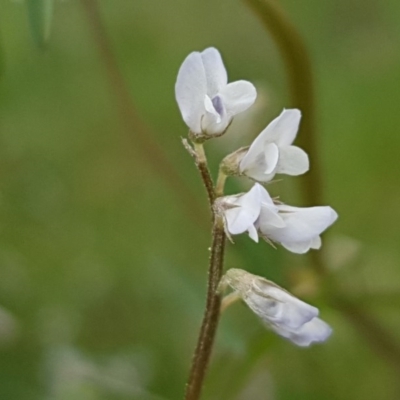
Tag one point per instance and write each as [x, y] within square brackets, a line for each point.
[301, 85]
[299, 68]
[136, 130]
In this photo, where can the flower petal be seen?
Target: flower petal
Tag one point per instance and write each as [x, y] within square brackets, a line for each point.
[271, 152]
[238, 96]
[316, 243]
[297, 247]
[278, 307]
[265, 197]
[292, 161]
[190, 91]
[253, 234]
[215, 71]
[240, 219]
[273, 217]
[315, 330]
[283, 129]
[209, 106]
[302, 225]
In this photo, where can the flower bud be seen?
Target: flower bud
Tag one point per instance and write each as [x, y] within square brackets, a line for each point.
[282, 312]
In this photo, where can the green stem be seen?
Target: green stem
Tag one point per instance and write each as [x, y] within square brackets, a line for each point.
[219, 188]
[211, 316]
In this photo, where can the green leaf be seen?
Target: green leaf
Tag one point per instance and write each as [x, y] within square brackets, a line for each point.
[40, 15]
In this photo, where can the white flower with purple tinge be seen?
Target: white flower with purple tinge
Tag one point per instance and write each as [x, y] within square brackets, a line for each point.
[272, 151]
[205, 98]
[282, 312]
[301, 228]
[297, 229]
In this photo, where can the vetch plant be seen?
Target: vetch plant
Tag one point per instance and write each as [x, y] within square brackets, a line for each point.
[208, 104]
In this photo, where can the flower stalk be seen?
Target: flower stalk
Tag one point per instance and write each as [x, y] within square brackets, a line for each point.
[211, 316]
[201, 163]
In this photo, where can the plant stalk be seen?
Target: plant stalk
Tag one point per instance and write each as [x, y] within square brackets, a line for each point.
[211, 316]
[201, 163]
[300, 76]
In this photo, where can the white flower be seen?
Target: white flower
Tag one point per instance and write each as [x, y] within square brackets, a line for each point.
[296, 229]
[206, 100]
[279, 310]
[301, 227]
[272, 152]
[242, 211]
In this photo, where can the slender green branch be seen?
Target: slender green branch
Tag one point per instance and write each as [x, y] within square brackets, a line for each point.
[298, 65]
[211, 316]
[133, 125]
[230, 299]
[219, 188]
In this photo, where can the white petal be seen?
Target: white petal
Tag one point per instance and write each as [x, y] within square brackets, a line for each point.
[254, 159]
[214, 121]
[211, 126]
[265, 197]
[190, 89]
[215, 71]
[253, 234]
[255, 169]
[283, 129]
[271, 153]
[315, 330]
[239, 219]
[292, 161]
[316, 243]
[297, 247]
[271, 216]
[209, 106]
[302, 224]
[278, 307]
[238, 96]
[254, 163]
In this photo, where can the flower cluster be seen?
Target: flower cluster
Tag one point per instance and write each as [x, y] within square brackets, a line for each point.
[208, 104]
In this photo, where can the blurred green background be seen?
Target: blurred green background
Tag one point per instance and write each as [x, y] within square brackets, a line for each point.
[103, 253]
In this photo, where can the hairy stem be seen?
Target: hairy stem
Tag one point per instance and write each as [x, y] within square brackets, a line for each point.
[201, 163]
[209, 325]
[208, 330]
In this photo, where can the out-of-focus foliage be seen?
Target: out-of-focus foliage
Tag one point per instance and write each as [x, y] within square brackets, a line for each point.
[40, 14]
[102, 271]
